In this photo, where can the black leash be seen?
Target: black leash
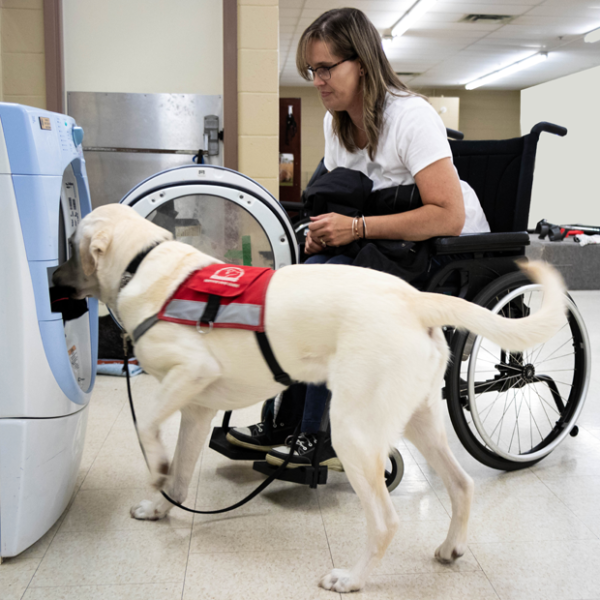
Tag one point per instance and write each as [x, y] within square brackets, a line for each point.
[252, 494]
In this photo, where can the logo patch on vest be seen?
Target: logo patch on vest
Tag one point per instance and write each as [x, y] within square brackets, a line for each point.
[242, 292]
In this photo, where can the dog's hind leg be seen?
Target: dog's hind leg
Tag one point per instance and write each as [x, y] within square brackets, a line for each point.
[426, 431]
[193, 431]
[364, 463]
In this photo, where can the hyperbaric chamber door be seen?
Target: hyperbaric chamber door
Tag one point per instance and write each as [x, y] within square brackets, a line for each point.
[220, 212]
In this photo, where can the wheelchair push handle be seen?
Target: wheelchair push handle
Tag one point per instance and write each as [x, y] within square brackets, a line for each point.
[549, 128]
[454, 134]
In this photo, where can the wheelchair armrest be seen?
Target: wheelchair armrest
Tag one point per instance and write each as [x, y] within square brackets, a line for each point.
[481, 242]
[292, 205]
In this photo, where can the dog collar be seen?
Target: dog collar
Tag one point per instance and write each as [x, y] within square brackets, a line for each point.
[133, 266]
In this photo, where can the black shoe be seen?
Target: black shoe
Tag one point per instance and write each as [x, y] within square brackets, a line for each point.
[305, 450]
[262, 436]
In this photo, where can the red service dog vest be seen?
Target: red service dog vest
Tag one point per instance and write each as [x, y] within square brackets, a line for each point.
[239, 294]
[222, 296]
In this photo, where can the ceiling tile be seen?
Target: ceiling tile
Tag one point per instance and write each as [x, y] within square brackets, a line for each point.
[447, 51]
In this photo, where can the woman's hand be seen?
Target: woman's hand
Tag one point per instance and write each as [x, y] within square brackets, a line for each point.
[310, 246]
[332, 229]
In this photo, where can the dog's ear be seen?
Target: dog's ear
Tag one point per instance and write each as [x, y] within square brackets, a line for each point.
[91, 248]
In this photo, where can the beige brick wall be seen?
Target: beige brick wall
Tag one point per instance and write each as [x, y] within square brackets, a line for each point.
[22, 60]
[485, 114]
[258, 91]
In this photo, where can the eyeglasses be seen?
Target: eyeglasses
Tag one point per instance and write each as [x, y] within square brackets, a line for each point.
[324, 73]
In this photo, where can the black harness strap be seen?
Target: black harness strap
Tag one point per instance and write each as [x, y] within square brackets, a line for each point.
[141, 329]
[212, 308]
[132, 267]
[279, 471]
[278, 373]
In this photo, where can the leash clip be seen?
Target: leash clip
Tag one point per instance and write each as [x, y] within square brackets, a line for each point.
[125, 337]
[199, 330]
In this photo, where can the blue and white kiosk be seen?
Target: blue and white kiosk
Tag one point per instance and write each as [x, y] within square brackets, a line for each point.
[47, 366]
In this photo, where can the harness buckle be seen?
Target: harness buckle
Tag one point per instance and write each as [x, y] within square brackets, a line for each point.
[198, 326]
[125, 338]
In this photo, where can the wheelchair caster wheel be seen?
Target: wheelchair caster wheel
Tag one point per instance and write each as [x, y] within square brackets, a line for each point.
[394, 470]
[574, 431]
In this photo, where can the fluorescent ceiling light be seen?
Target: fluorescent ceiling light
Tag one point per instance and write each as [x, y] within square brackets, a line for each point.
[518, 66]
[592, 36]
[413, 14]
[387, 41]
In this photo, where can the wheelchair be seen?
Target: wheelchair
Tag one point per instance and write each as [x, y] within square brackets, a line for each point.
[508, 409]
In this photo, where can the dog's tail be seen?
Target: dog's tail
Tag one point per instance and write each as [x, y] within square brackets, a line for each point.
[436, 310]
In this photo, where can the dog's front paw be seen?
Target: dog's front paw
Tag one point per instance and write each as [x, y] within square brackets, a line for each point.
[147, 510]
[340, 580]
[447, 554]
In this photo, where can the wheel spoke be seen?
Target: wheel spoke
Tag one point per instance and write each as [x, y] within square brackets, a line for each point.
[531, 415]
[498, 391]
[493, 383]
[542, 405]
[501, 420]
[488, 408]
[556, 350]
[537, 364]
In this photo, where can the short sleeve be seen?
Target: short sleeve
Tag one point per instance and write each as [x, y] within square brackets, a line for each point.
[421, 136]
[330, 142]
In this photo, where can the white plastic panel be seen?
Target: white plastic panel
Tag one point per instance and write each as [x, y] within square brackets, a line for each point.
[77, 332]
[4, 162]
[28, 386]
[39, 463]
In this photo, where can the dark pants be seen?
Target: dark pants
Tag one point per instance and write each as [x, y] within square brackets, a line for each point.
[316, 395]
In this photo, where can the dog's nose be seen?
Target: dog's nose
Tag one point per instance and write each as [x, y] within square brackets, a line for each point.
[56, 277]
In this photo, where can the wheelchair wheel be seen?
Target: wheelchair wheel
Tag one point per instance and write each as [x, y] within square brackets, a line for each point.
[511, 409]
[394, 470]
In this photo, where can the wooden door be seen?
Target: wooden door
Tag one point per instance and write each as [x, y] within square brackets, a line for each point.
[289, 149]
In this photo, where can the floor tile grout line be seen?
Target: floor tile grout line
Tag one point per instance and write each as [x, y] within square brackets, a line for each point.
[484, 572]
[187, 562]
[71, 501]
[77, 585]
[581, 521]
[325, 530]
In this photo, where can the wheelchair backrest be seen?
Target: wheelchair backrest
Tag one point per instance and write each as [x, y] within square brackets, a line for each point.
[501, 173]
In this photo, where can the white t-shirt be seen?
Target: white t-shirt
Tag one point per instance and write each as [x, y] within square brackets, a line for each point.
[412, 137]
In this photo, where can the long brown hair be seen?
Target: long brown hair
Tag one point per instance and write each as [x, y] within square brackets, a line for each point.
[348, 32]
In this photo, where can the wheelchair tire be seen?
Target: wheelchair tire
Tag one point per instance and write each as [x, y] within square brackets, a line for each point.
[510, 410]
[395, 472]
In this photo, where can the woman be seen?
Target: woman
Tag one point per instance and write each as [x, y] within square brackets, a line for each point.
[377, 126]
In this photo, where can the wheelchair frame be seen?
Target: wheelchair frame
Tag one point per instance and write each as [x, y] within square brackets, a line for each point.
[501, 173]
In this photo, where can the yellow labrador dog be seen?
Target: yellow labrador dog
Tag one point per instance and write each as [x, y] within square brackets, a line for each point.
[373, 338]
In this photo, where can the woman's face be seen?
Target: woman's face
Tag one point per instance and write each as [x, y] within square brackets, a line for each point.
[342, 90]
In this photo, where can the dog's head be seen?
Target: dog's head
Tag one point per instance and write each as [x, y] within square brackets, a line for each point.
[105, 241]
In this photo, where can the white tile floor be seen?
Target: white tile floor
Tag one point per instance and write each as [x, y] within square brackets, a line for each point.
[535, 534]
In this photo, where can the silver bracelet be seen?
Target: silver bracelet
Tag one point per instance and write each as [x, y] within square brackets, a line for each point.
[364, 227]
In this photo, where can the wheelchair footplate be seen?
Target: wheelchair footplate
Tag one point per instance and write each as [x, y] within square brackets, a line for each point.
[219, 443]
[302, 475]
